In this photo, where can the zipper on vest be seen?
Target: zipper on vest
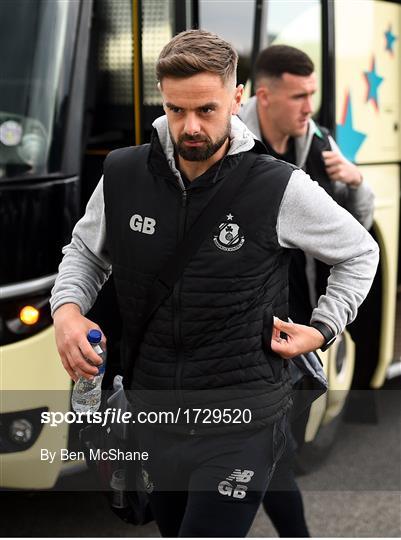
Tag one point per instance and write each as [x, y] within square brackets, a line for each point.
[184, 205]
[177, 306]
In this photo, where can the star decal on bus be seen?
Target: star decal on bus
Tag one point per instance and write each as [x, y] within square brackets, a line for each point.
[349, 139]
[374, 81]
[390, 38]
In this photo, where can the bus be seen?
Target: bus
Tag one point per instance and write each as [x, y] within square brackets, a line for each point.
[77, 80]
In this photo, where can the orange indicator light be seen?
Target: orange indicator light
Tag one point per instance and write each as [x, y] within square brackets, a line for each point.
[29, 315]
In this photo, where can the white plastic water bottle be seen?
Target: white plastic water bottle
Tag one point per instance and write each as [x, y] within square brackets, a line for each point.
[87, 395]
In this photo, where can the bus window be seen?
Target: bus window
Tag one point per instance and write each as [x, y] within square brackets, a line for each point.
[298, 24]
[158, 27]
[115, 91]
[232, 21]
[157, 30]
[37, 48]
[110, 115]
[122, 97]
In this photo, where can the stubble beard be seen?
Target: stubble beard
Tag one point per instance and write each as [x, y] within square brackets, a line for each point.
[200, 153]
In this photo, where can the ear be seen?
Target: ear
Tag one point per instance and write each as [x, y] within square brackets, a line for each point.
[159, 87]
[236, 104]
[263, 95]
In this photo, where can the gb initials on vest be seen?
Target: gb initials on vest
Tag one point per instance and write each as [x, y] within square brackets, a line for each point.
[145, 225]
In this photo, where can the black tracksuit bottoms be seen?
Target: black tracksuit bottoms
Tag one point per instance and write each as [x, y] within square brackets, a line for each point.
[209, 485]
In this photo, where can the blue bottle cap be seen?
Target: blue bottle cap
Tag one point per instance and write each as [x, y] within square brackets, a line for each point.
[94, 336]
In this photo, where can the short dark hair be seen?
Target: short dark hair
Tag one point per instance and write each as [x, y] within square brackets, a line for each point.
[197, 51]
[278, 59]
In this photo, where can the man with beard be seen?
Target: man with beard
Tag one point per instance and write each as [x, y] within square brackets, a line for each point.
[214, 346]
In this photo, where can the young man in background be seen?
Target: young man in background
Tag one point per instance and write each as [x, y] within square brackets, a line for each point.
[280, 115]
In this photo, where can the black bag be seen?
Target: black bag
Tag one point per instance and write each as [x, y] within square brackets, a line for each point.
[120, 480]
[309, 382]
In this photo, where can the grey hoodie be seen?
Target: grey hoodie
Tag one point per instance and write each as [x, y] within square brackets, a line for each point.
[308, 219]
[359, 201]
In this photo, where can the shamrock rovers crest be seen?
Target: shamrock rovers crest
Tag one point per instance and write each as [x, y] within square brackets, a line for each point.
[229, 237]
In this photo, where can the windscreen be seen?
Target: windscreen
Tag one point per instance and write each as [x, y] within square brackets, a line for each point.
[36, 55]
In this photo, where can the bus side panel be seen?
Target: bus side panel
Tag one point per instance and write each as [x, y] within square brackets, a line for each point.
[368, 111]
[32, 380]
[368, 80]
[385, 181]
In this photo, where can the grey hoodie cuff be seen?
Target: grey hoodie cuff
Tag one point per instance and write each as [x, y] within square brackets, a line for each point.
[62, 300]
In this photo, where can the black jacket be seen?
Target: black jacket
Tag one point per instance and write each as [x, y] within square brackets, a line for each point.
[208, 345]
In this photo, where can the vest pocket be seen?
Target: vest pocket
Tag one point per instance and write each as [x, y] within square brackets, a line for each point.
[275, 360]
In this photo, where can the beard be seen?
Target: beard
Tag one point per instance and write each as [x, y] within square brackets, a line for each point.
[200, 153]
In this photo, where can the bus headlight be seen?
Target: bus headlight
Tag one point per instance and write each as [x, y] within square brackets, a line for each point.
[21, 430]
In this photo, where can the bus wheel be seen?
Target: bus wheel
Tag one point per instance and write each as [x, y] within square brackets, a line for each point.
[320, 429]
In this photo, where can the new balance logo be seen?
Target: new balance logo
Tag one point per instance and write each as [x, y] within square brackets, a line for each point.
[241, 476]
[145, 225]
[230, 488]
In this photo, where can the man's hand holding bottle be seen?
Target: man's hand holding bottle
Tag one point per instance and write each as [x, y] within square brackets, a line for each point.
[76, 353]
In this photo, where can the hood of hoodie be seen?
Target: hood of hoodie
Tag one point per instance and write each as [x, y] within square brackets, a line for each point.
[249, 115]
[241, 140]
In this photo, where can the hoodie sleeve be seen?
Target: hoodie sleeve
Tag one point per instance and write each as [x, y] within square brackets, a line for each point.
[86, 264]
[359, 201]
[310, 220]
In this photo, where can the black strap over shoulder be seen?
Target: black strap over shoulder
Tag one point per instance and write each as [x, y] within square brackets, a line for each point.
[315, 165]
[208, 217]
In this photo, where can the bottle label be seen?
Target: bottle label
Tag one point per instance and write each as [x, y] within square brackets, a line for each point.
[98, 349]
[101, 368]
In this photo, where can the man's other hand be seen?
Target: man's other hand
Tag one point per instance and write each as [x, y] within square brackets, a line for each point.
[340, 169]
[300, 339]
[71, 329]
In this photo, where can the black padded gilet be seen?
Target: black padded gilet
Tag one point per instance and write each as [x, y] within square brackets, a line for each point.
[209, 342]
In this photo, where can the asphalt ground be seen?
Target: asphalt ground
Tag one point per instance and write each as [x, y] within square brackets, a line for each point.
[355, 493]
